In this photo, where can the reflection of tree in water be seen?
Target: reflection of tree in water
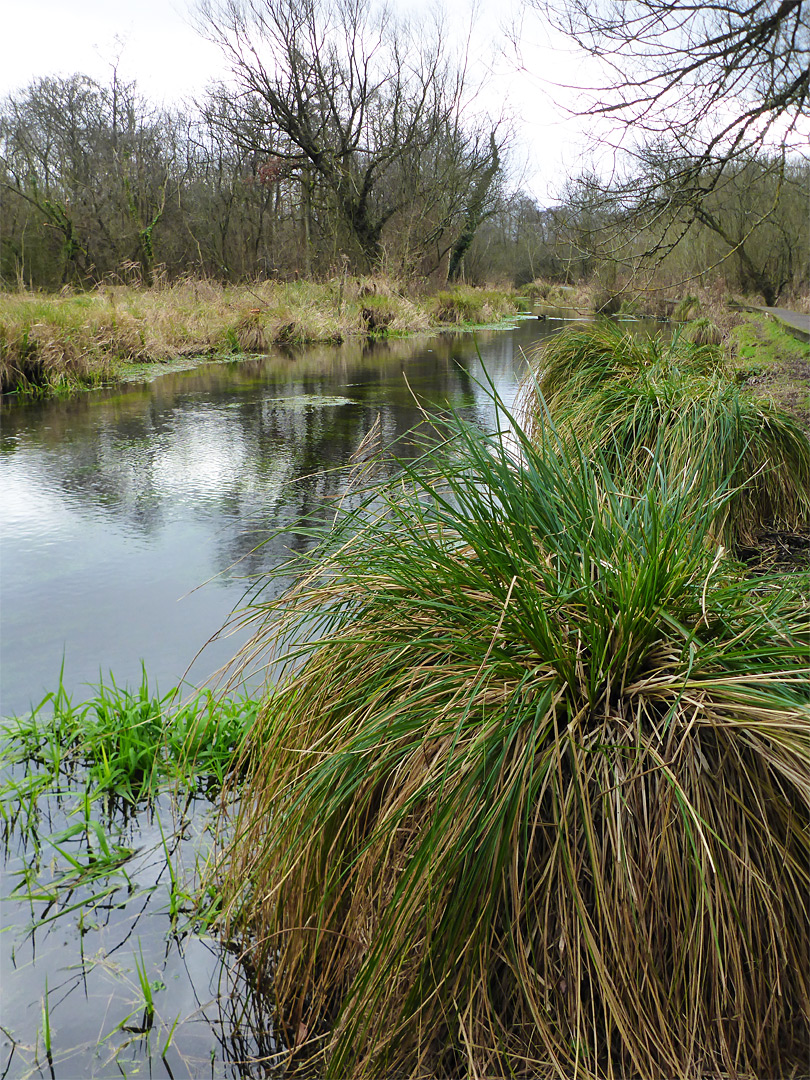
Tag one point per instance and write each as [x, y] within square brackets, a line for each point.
[254, 447]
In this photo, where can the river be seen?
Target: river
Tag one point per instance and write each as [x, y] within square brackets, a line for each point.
[134, 521]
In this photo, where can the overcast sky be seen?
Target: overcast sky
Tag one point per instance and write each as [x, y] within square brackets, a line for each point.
[155, 45]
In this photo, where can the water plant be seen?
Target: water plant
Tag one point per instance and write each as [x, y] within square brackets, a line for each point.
[530, 795]
[146, 989]
[98, 799]
[632, 399]
[125, 743]
[46, 1026]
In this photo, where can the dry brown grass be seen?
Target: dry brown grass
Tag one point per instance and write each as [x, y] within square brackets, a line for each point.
[71, 340]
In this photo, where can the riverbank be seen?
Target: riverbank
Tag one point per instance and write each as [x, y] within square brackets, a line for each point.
[72, 341]
[64, 343]
[475, 768]
[768, 353]
[494, 694]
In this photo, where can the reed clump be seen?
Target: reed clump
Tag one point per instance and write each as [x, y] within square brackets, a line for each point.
[704, 332]
[530, 795]
[629, 399]
[464, 304]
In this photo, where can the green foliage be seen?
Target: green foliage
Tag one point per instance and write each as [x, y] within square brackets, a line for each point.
[530, 794]
[75, 776]
[124, 743]
[632, 400]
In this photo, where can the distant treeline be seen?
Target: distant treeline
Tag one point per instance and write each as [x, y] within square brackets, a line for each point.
[97, 183]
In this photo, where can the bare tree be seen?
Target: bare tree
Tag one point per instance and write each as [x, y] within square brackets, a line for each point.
[354, 101]
[718, 80]
[94, 166]
[691, 93]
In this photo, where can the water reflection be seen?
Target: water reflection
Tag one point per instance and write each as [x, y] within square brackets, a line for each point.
[118, 505]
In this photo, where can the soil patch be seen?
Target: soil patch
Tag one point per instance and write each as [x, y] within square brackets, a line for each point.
[776, 550]
[788, 384]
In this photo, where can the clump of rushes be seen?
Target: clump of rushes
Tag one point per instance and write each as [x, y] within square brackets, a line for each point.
[631, 399]
[704, 332]
[463, 304]
[581, 359]
[530, 796]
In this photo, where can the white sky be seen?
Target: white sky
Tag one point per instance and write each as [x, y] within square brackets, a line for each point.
[157, 47]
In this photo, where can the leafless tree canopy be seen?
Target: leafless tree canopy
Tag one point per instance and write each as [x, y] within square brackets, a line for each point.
[364, 107]
[695, 95]
[718, 80]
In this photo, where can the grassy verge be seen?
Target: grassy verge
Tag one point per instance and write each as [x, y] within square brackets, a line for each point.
[62, 343]
[773, 364]
[538, 809]
[632, 399]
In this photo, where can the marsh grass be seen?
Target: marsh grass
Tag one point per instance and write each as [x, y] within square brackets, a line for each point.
[124, 744]
[530, 796]
[56, 344]
[581, 359]
[105, 811]
[704, 332]
[633, 400]
[463, 304]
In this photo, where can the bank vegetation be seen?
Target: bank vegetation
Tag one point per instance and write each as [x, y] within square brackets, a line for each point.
[78, 339]
[542, 810]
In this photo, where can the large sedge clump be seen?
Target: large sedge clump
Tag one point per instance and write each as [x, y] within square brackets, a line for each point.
[629, 399]
[530, 797]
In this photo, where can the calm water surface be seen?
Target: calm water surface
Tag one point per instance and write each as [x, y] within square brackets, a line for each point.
[131, 520]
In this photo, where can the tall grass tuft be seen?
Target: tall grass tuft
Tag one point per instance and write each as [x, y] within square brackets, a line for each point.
[585, 358]
[631, 400]
[530, 797]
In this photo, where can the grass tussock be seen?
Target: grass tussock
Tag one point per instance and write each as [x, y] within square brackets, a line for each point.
[65, 342]
[464, 304]
[530, 796]
[704, 332]
[630, 399]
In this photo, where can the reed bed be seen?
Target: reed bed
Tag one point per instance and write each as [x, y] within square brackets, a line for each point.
[530, 797]
[632, 399]
[57, 344]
